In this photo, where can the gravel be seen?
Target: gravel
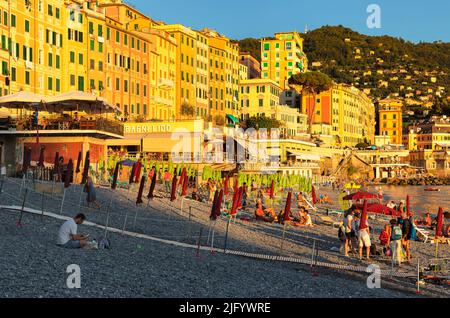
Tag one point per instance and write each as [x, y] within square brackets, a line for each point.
[31, 265]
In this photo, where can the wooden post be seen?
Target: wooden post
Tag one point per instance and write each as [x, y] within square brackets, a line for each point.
[226, 235]
[19, 223]
[418, 276]
[62, 203]
[107, 217]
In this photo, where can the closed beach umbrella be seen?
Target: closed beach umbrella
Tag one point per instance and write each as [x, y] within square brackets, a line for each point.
[440, 222]
[363, 222]
[133, 171]
[408, 209]
[137, 173]
[236, 185]
[241, 193]
[214, 204]
[78, 163]
[183, 174]
[152, 187]
[69, 174]
[26, 160]
[272, 190]
[141, 190]
[234, 206]
[287, 209]
[225, 186]
[87, 163]
[219, 203]
[41, 158]
[314, 195]
[173, 195]
[185, 185]
[115, 176]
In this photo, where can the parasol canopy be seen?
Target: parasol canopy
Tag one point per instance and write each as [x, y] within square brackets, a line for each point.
[360, 195]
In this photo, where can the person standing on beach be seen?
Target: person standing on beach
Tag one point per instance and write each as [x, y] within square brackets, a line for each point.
[406, 235]
[91, 197]
[396, 242]
[349, 233]
[167, 179]
[67, 234]
[160, 176]
[364, 239]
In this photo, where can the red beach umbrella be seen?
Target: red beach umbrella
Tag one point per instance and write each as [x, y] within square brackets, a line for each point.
[132, 173]
[363, 222]
[287, 209]
[115, 176]
[69, 174]
[185, 185]
[234, 206]
[219, 203]
[440, 221]
[173, 195]
[141, 190]
[78, 163]
[360, 195]
[272, 190]
[314, 195]
[138, 171]
[236, 185]
[241, 193]
[381, 209]
[225, 186]
[26, 160]
[152, 187]
[183, 173]
[214, 204]
[87, 163]
[408, 209]
[41, 158]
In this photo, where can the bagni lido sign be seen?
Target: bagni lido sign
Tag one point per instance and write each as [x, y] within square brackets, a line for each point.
[146, 128]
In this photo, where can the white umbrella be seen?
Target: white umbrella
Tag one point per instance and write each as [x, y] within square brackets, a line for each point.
[21, 98]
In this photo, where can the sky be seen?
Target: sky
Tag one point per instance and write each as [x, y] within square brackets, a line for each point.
[413, 20]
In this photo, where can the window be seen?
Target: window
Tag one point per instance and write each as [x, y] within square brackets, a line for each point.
[58, 85]
[27, 26]
[80, 18]
[100, 66]
[72, 80]
[27, 78]
[81, 83]
[57, 13]
[117, 84]
[58, 62]
[50, 59]
[266, 46]
[92, 45]
[117, 37]
[100, 47]
[288, 45]
[80, 59]
[100, 30]
[13, 20]
[50, 10]
[13, 74]
[50, 83]
[91, 28]
[92, 84]
[261, 102]
[72, 57]
[5, 70]
[92, 64]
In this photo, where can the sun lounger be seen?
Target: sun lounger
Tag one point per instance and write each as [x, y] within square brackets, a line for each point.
[326, 220]
[423, 234]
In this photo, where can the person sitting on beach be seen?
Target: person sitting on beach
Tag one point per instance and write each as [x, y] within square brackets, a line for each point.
[300, 199]
[196, 196]
[67, 234]
[263, 214]
[91, 197]
[306, 219]
[391, 205]
[426, 221]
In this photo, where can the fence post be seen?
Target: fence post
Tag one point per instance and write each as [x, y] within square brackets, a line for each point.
[62, 202]
[226, 235]
[125, 223]
[199, 239]
[189, 223]
[418, 276]
[19, 223]
[107, 217]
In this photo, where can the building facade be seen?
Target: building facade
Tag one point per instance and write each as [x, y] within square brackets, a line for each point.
[390, 120]
[252, 65]
[282, 57]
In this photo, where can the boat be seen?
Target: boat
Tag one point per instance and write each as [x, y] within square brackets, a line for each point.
[432, 189]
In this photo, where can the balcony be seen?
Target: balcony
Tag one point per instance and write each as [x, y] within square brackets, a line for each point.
[162, 101]
[165, 83]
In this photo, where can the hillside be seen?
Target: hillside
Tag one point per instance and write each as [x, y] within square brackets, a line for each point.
[381, 65]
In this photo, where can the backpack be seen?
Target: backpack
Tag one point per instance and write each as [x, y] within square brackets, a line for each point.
[341, 233]
[396, 233]
[104, 243]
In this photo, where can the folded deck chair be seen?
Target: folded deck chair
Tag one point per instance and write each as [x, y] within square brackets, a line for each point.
[423, 234]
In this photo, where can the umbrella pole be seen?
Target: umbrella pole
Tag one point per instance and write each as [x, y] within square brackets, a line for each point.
[418, 276]
[226, 235]
[79, 200]
[107, 217]
[125, 222]
[135, 218]
[212, 238]
[284, 232]
[199, 240]
[19, 223]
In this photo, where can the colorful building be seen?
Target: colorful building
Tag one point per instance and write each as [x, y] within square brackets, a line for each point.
[389, 119]
[282, 57]
[252, 65]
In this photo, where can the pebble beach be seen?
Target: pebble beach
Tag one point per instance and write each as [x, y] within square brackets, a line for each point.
[33, 266]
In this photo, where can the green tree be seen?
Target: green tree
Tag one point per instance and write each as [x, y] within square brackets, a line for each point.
[258, 122]
[187, 111]
[311, 83]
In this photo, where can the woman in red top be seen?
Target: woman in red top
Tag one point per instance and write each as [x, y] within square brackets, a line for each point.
[385, 238]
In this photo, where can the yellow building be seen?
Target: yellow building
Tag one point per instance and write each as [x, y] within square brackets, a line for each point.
[428, 135]
[223, 76]
[261, 97]
[390, 121]
[283, 57]
[344, 112]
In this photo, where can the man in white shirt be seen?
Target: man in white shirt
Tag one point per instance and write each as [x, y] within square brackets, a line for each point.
[67, 234]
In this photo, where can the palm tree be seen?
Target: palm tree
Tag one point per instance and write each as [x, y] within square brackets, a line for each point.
[311, 83]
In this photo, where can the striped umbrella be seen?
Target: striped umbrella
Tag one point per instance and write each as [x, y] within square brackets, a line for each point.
[78, 163]
[115, 176]
[287, 209]
[41, 158]
[440, 222]
[173, 195]
[152, 187]
[87, 163]
[69, 174]
[141, 190]
[214, 204]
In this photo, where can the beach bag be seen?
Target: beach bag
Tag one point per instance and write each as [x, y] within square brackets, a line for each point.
[104, 243]
[412, 231]
[396, 233]
[341, 234]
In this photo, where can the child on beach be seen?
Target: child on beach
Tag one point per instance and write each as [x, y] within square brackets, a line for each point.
[167, 179]
[91, 197]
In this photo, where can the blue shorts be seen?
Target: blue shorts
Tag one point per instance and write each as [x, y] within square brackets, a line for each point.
[72, 244]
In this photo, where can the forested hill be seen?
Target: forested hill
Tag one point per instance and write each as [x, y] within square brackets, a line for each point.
[386, 65]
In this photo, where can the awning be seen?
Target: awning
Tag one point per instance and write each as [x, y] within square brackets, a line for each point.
[233, 119]
[305, 156]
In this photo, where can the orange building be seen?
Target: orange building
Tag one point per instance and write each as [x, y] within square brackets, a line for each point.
[390, 120]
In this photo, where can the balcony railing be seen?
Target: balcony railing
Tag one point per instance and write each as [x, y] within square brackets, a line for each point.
[165, 83]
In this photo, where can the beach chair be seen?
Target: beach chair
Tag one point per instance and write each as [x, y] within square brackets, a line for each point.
[326, 220]
[423, 234]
